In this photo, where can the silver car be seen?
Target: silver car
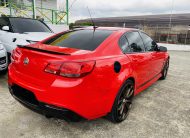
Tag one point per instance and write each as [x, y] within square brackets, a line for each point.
[3, 59]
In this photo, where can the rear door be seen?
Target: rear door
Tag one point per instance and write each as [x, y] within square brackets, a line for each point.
[132, 45]
[157, 58]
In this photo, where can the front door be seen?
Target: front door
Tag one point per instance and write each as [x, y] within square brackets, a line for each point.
[157, 59]
[133, 46]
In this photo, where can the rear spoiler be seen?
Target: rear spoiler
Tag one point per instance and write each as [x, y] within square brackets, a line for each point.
[41, 50]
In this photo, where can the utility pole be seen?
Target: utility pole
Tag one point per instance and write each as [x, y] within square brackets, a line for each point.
[186, 37]
[170, 23]
[41, 5]
[34, 8]
[10, 6]
[67, 11]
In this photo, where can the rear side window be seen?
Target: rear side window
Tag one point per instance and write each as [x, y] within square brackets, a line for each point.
[80, 39]
[124, 44]
[135, 42]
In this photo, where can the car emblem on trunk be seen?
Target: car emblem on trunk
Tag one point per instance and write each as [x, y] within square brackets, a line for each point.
[26, 61]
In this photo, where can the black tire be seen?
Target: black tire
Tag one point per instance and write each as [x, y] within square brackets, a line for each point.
[3, 72]
[9, 57]
[122, 103]
[48, 116]
[165, 70]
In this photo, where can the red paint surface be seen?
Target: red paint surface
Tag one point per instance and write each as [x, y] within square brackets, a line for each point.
[92, 95]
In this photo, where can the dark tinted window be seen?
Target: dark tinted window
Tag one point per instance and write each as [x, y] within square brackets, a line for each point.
[3, 22]
[135, 42]
[80, 39]
[148, 42]
[21, 25]
[124, 44]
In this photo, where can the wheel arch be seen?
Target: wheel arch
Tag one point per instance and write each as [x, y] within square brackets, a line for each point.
[124, 82]
[134, 82]
[132, 79]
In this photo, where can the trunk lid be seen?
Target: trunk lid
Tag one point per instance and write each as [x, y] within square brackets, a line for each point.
[57, 49]
[31, 61]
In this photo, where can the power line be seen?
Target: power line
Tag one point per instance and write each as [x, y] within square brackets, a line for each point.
[72, 4]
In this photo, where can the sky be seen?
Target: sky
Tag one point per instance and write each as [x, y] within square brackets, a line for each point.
[114, 8]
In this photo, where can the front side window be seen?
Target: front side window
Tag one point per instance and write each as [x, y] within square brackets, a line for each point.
[21, 25]
[148, 42]
[80, 39]
[135, 42]
[3, 22]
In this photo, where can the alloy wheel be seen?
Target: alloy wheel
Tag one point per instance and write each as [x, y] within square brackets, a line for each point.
[125, 101]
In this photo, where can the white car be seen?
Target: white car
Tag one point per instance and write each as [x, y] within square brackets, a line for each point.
[3, 59]
[22, 31]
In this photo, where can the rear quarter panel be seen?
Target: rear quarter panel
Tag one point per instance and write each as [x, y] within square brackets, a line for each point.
[107, 82]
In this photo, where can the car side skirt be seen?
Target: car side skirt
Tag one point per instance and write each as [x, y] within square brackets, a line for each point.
[147, 84]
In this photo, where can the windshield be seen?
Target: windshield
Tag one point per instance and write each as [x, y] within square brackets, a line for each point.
[80, 39]
[21, 25]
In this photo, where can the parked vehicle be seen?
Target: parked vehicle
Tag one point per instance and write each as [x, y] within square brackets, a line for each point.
[3, 59]
[86, 72]
[21, 31]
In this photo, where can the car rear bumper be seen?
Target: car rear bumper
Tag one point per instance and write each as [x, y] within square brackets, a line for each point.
[3, 60]
[88, 97]
[29, 100]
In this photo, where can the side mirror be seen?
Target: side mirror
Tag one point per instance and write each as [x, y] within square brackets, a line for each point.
[155, 46]
[5, 28]
[154, 43]
[162, 49]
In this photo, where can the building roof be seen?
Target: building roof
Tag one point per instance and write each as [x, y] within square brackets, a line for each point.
[152, 20]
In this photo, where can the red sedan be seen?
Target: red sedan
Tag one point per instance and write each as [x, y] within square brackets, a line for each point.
[86, 73]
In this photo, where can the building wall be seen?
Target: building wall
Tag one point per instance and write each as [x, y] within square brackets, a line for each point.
[157, 26]
[50, 4]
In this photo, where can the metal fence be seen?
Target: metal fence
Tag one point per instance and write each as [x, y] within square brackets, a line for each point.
[173, 35]
[15, 9]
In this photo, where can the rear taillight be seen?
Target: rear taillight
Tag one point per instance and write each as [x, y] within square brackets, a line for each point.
[53, 68]
[70, 69]
[16, 54]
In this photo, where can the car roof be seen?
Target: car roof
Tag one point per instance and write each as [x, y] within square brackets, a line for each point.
[115, 29]
[8, 17]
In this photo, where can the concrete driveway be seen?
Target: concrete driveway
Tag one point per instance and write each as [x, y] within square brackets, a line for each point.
[163, 110]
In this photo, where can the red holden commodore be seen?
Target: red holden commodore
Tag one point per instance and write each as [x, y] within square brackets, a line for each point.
[86, 73]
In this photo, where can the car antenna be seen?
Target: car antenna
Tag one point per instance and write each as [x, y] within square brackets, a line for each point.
[94, 26]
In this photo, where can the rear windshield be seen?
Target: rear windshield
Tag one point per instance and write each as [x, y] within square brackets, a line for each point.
[80, 39]
[21, 25]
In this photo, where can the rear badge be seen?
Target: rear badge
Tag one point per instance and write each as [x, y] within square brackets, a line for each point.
[26, 61]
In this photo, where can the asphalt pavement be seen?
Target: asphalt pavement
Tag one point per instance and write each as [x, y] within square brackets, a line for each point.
[161, 111]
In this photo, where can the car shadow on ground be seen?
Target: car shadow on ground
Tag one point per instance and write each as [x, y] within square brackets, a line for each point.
[99, 123]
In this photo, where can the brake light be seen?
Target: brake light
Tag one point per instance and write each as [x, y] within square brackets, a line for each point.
[12, 56]
[16, 54]
[53, 68]
[70, 69]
